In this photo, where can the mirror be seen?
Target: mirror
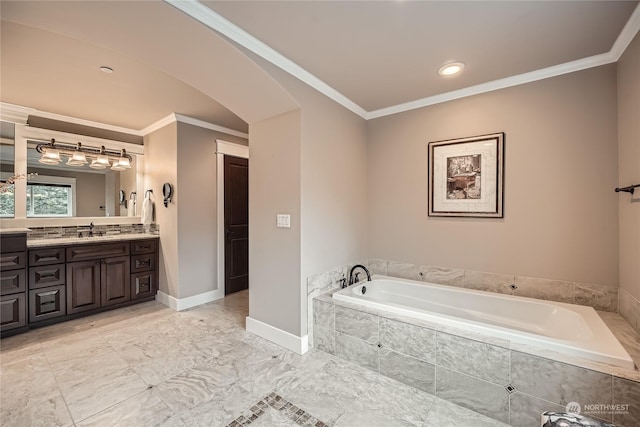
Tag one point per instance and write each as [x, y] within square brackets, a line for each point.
[7, 159]
[78, 191]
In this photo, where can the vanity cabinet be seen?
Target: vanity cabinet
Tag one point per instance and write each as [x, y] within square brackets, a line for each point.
[13, 283]
[48, 284]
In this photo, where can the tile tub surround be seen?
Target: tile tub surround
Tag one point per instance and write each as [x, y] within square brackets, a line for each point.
[148, 365]
[600, 297]
[473, 371]
[630, 309]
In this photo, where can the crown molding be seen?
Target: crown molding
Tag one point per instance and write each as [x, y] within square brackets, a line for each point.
[208, 17]
[84, 122]
[14, 113]
[520, 79]
[175, 117]
[216, 22]
[627, 34]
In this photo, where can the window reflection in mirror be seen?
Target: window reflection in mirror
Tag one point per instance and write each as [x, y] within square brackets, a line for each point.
[72, 191]
[7, 158]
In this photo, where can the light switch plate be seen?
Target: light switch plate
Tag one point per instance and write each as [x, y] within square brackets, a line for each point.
[283, 220]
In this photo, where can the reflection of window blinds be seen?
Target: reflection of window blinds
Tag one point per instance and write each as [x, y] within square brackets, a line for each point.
[50, 185]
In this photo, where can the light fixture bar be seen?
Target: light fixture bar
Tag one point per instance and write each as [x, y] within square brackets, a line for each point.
[79, 154]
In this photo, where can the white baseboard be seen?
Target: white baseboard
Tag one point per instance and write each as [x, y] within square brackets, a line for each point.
[179, 304]
[289, 341]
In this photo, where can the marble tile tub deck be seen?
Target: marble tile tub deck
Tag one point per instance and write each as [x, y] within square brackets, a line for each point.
[147, 365]
[506, 381]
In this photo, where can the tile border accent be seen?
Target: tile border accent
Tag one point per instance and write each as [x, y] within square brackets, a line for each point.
[287, 340]
[280, 404]
[600, 297]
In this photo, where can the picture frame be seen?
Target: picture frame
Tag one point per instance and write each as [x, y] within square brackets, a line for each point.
[466, 177]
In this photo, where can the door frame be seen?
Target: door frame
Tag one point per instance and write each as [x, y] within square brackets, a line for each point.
[229, 149]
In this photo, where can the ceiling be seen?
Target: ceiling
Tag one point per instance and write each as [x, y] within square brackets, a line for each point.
[370, 56]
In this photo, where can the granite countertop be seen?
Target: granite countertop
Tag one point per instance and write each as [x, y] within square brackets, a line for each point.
[66, 241]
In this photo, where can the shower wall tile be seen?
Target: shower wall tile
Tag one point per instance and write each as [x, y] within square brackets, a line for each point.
[324, 339]
[357, 351]
[525, 410]
[443, 276]
[478, 395]
[480, 360]
[600, 297]
[553, 290]
[405, 270]
[408, 339]
[378, 266]
[324, 314]
[559, 382]
[626, 392]
[490, 282]
[408, 370]
[357, 324]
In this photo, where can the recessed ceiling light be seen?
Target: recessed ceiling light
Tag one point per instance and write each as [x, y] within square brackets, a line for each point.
[451, 68]
[106, 69]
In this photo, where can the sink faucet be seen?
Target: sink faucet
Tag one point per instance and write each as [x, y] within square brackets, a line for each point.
[91, 229]
[354, 278]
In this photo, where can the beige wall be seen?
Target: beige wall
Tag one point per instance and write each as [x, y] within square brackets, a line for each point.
[197, 216]
[561, 213]
[629, 166]
[160, 153]
[332, 163]
[274, 253]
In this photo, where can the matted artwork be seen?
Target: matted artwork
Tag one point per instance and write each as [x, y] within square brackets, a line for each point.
[466, 177]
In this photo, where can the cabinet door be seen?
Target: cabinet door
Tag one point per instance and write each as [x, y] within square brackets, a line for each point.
[83, 286]
[143, 285]
[12, 281]
[115, 280]
[13, 311]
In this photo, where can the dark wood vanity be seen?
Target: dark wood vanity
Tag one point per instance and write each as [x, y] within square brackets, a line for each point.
[49, 284]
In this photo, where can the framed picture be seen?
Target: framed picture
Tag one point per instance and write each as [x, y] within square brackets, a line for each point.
[466, 177]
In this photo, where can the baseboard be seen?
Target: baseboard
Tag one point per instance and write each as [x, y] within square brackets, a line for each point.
[289, 341]
[179, 304]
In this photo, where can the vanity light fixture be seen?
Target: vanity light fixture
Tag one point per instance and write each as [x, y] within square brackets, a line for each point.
[450, 69]
[79, 155]
[51, 155]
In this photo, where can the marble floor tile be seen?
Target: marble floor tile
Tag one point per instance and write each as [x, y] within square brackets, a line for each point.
[148, 365]
[445, 413]
[144, 409]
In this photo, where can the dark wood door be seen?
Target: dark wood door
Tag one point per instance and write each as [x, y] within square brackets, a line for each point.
[83, 286]
[236, 224]
[115, 280]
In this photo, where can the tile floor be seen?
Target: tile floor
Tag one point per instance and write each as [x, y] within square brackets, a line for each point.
[147, 365]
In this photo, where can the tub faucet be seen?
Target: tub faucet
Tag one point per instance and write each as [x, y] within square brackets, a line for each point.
[353, 278]
[91, 229]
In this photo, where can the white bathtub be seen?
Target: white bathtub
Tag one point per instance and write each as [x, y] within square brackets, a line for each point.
[567, 328]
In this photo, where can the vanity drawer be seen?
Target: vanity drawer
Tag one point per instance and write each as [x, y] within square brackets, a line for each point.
[144, 262]
[13, 261]
[47, 303]
[13, 311]
[143, 246]
[10, 242]
[143, 285]
[46, 256]
[46, 275]
[12, 281]
[85, 252]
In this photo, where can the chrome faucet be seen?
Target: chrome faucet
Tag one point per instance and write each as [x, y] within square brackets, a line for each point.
[354, 278]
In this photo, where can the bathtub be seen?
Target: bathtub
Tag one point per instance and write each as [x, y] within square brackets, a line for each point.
[566, 328]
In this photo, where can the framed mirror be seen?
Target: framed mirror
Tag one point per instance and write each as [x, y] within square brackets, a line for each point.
[7, 170]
